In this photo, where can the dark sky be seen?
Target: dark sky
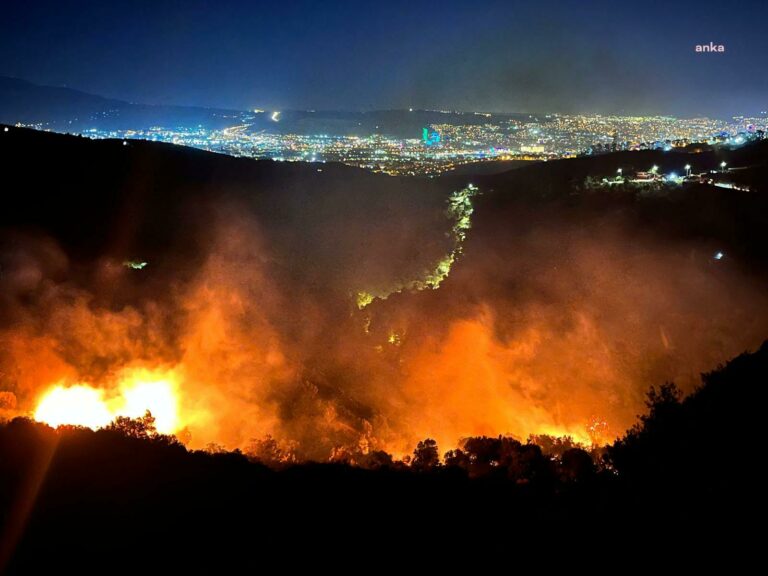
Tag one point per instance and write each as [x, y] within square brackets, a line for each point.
[538, 55]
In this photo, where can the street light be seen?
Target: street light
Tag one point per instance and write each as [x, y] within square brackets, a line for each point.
[687, 169]
[618, 171]
[723, 165]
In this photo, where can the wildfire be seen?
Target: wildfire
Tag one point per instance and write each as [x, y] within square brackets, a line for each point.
[136, 392]
[80, 405]
[558, 335]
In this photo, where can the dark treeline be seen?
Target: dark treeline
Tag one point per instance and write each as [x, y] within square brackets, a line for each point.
[122, 496]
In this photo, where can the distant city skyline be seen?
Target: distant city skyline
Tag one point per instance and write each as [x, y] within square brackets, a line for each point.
[404, 142]
[494, 56]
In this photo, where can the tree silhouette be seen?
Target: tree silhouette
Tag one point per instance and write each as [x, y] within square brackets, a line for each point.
[376, 460]
[426, 456]
[576, 465]
[142, 427]
[554, 446]
[269, 452]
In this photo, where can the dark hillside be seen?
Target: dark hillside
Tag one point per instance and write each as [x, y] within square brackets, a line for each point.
[325, 223]
[79, 499]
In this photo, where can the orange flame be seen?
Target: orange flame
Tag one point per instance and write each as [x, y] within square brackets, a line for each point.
[235, 359]
[137, 392]
[78, 405]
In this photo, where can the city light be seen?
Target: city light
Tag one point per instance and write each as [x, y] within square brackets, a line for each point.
[454, 142]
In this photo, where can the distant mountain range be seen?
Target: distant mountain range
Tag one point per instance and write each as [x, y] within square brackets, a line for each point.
[69, 110]
[65, 109]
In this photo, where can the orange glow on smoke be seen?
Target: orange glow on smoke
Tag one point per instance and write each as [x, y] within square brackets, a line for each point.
[469, 384]
[235, 357]
[137, 392]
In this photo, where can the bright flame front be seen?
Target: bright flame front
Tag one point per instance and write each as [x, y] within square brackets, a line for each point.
[158, 398]
[136, 393]
[79, 405]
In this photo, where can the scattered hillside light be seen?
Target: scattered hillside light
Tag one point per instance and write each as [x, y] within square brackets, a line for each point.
[723, 165]
[135, 264]
[5, 129]
[673, 176]
[719, 255]
[125, 143]
[654, 169]
[687, 169]
[618, 171]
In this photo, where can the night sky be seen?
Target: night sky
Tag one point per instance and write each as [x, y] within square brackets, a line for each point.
[533, 56]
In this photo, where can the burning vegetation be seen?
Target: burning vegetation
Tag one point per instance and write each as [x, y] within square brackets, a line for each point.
[300, 332]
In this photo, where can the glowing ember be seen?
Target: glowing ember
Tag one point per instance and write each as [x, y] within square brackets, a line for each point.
[84, 405]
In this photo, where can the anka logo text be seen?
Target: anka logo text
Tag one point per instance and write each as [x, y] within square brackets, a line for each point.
[711, 47]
